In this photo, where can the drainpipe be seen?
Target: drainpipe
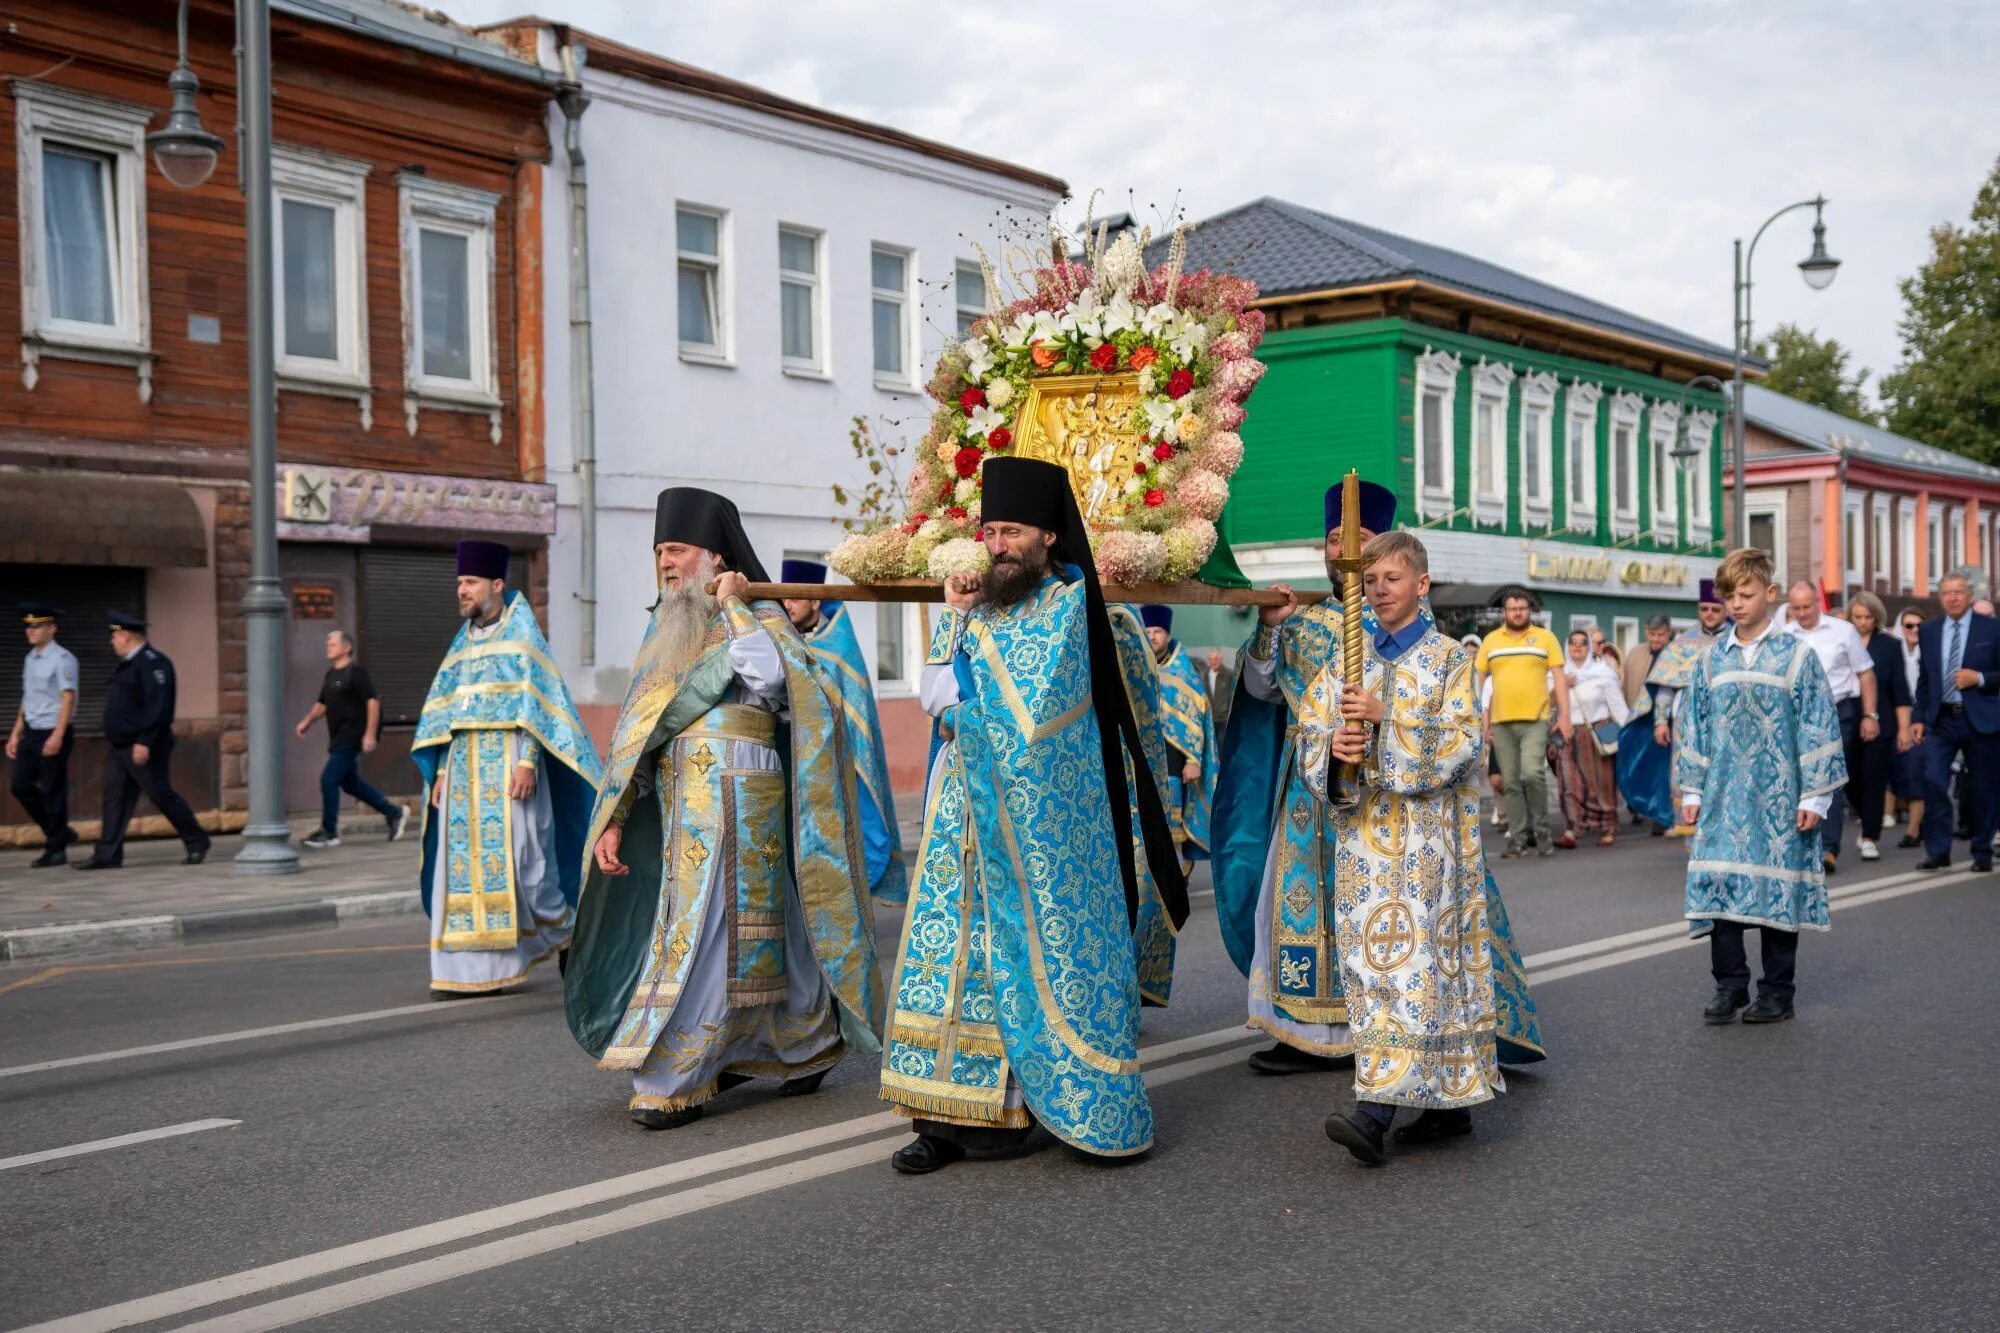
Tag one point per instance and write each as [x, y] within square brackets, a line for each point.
[582, 394]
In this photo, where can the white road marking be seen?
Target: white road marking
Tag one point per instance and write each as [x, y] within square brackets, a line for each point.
[252, 1034]
[117, 1141]
[877, 1129]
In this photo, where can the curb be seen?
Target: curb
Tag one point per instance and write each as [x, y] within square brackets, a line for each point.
[152, 932]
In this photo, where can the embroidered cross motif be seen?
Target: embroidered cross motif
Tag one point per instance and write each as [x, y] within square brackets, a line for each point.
[1072, 1100]
[702, 758]
[695, 854]
[1299, 898]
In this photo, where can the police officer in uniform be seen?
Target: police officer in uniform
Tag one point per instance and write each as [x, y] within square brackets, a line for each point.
[45, 733]
[139, 731]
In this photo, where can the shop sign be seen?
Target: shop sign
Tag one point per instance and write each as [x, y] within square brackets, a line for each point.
[358, 497]
[1545, 567]
[312, 601]
[1654, 573]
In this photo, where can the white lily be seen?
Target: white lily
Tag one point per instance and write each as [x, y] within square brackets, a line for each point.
[1189, 339]
[983, 421]
[1160, 416]
[1083, 317]
[1119, 315]
[979, 362]
[1158, 319]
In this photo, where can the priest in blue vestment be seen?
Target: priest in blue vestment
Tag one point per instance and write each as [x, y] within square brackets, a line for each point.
[1646, 741]
[1017, 997]
[829, 632]
[1275, 850]
[724, 930]
[1155, 942]
[1190, 732]
[511, 773]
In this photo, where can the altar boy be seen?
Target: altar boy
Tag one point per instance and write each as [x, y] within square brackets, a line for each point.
[1759, 761]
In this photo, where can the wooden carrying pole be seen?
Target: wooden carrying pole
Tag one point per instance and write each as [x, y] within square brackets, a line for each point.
[924, 590]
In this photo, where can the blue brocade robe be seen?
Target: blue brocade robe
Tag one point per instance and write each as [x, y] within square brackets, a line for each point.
[1274, 860]
[1643, 766]
[507, 870]
[1190, 730]
[846, 676]
[1153, 934]
[1756, 737]
[1409, 908]
[741, 942]
[1016, 989]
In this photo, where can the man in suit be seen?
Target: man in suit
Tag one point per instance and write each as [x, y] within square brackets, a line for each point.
[1957, 714]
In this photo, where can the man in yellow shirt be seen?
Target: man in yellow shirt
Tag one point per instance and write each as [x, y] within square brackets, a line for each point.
[1524, 662]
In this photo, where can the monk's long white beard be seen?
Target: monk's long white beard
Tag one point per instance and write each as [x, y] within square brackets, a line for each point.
[685, 611]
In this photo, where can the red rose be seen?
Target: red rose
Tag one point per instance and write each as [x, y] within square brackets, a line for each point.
[965, 462]
[954, 512]
[1154, 499]
[1142, 357]
[971, 398]
[944, 492]
[1000, 438]
[918, 520]
[1105, 357]
[1163, 451]
[1139, 469]
[1179, 383]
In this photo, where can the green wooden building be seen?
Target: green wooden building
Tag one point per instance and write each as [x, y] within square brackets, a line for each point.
[1529, 432]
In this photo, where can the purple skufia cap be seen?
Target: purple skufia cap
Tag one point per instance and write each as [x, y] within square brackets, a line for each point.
[1378, 507]
[482, 560]
[1157, 617]
[1707, 593]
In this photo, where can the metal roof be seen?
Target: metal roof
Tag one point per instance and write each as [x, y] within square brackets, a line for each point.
[418, 30]
[1826, 431]
[1286, 249]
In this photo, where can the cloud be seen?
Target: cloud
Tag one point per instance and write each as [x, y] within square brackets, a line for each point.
[1615, 148]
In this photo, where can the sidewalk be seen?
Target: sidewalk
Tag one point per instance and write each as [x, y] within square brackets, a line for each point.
[155, 900]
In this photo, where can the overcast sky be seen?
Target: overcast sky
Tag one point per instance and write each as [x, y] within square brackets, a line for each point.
[1612, 148]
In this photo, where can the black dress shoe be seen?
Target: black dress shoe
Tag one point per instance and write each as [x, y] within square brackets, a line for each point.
[927, 1154]
[1909, 840]
[1935, 863]
[805, 1086]
[94, 864]
[1283, 1059]
[1432, 1126]
[1982, 867]
[1722, 1009]
[196, 855]
[1768, 1009]
[54, 856]
[1359, 1134]
[651, 1119]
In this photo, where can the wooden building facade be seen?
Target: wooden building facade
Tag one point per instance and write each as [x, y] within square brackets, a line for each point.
[407, 179]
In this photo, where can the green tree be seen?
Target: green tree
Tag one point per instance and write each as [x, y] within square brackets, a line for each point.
[1947, 391]
[1814, 370]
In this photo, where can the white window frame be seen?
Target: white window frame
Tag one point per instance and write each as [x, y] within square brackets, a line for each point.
[1906, 544]
[1580, 407]
[815, 366]
[916, 645]
[1879, 528]
[47, 115]
[717, 353]
[1492, 386]
[1664, 420]
[1437, 373]
[433, 205]
[1626, 409]
[1934, 566]
[1580, 620]
[906, 304]
[1853, 539]
[966, 315]
[1538, 395]
[1701, 490]
[1772, 503]
[1954, 538]
[310, 177]
[1625, 634]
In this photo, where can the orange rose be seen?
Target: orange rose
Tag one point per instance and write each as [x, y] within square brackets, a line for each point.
[1143, 356]
[1044, 355]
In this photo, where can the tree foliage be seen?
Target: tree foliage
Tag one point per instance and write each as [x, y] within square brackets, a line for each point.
[1814, 370]
[1947, 391]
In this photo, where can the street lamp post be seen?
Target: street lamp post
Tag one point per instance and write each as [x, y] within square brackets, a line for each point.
[267, 838]
[1818, 269]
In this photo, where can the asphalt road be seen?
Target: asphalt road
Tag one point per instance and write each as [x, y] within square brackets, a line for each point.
[464, 1165]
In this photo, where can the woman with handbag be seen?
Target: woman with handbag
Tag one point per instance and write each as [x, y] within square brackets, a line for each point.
[1583, 768]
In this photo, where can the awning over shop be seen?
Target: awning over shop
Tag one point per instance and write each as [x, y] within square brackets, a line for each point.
[87, 518]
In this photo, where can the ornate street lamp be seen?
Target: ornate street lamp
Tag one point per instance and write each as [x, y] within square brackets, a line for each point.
[267, 838]
[185, 152]
[1817, 269]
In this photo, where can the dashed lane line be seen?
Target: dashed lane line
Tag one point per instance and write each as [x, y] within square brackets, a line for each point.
[116, 1141]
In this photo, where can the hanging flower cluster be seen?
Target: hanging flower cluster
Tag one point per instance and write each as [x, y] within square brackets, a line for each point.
[1189, 339]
